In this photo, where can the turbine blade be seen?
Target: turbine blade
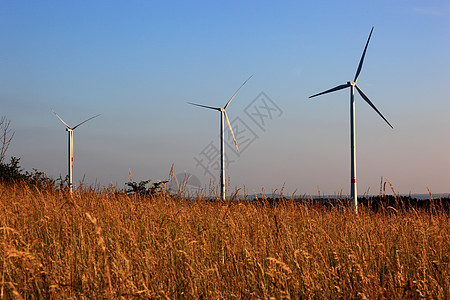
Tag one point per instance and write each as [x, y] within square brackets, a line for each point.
[362, 57]
[60, 119]
[210, 107]
[372, 105]
[231, 129]
[339, 87]
[228, 103]
[85, 121]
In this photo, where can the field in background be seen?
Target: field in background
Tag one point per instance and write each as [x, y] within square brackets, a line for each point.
[106, 244]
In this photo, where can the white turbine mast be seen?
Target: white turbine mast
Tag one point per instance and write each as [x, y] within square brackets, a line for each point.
[223, 114]
[70, 156]
[352, 85]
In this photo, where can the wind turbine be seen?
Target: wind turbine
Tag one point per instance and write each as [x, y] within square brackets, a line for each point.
[352, 85]
[223, 114]
[70, 131]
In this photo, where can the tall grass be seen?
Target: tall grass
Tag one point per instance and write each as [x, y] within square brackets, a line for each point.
[105, 244]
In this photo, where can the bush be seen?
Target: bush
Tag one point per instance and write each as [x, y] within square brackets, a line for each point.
[12, 172]
[139, 188]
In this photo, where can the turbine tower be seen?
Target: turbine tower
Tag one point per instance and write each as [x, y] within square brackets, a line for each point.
[70, 157]
[352, 85]
[223, 115]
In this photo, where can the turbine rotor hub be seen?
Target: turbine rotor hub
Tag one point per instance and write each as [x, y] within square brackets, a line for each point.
[351, 83]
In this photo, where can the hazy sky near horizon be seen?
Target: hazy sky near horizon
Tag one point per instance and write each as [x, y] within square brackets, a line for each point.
[138, 62]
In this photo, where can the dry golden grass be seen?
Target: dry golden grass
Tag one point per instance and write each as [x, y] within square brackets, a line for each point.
[109, 245]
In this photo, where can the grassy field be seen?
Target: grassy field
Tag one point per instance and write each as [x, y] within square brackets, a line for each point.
[105, 244]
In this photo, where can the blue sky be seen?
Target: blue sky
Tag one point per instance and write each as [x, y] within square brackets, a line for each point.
[139, 62]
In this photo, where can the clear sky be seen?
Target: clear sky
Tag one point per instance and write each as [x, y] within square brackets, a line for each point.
[138, 62]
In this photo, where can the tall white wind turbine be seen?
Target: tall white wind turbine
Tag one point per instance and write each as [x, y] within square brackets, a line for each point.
[70, 158]
[223, 114]
[352, 85]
